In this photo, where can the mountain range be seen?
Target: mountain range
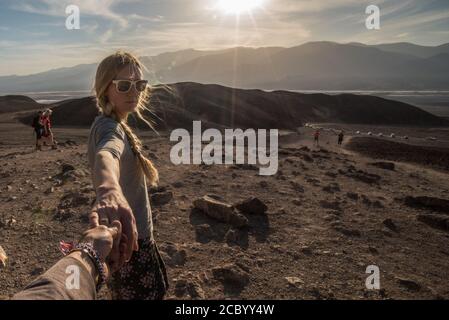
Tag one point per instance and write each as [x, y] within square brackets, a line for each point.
[310, 66]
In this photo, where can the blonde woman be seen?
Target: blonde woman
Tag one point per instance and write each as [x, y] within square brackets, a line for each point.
[120, 174]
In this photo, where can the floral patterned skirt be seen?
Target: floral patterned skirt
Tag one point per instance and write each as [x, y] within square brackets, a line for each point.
[144, 277]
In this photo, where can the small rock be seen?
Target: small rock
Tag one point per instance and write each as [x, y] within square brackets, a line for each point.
[50, 190]
[297, 187]
[178, 184]
[331, 174]
[363, 176]
[377, 204]
[435, 220]
[306, 250]
[189, 287]
[220, 211]
[335, 205]
[390, 225]
[425, 202]
[332, 187]
[37, 271]
[307, 158]
[383, 165]
[11, 222]
[175, 256]
[252, 206]
[263, 184]
[161, 198]
[294, 281]
[409, 284]
[297, 202]
[352, 195]
[66, 167]
[231, 274]
[156, 189]
[8, 188]
[69, 142]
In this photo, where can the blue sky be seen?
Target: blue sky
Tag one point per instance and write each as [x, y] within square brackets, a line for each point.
[33, 37]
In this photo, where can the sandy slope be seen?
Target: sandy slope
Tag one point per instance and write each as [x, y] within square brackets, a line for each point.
[314, 228]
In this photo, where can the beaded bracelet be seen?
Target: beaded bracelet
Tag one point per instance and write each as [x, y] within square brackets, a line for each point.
[67, 248]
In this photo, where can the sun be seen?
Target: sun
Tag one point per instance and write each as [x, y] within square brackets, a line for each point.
[239, 6]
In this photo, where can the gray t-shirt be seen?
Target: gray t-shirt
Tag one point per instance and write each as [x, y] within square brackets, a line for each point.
[107, 134]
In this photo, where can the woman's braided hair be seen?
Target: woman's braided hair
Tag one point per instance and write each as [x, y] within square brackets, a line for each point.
[106, 72]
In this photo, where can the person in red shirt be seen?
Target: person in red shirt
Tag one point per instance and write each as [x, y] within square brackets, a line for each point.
[48, 134]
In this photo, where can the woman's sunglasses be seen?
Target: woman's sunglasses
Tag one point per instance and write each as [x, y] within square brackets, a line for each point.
[124, 86]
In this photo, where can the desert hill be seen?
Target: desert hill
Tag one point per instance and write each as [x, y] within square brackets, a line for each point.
[219, 106]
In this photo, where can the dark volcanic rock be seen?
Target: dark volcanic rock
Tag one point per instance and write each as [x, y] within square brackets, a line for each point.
[161, 198]
[390, 225]
[424, 202]
[252, 206]
[435, 221]
[383, 165]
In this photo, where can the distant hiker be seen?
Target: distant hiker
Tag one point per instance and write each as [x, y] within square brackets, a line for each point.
[47, 132]
[316, 137]
[341, 135]
[38, 129]
[120, 175]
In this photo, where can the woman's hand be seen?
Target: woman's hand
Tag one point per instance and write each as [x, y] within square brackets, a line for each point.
[112, 206]
[103, 240]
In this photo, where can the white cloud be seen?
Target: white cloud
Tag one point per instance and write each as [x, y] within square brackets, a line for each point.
[87, 7]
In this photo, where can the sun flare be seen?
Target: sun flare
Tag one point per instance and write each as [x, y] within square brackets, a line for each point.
[239, 6]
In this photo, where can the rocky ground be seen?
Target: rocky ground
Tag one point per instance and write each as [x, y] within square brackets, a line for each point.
[309, 232]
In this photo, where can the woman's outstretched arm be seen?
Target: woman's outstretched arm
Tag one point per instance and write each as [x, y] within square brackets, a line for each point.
[111, 205]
